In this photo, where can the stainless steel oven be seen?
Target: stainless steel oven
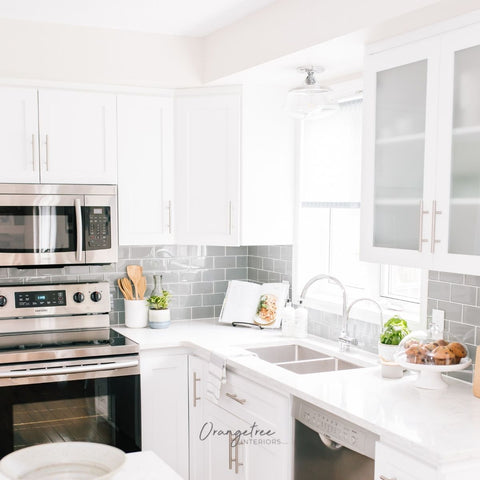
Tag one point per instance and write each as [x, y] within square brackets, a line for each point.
[64, 374]
[328, 447]
[58, 224]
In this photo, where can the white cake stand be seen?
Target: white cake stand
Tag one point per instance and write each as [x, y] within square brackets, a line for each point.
[430, 376]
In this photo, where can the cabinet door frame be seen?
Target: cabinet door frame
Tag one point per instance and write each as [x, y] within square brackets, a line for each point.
[135, 200]
[29, 172]
[443, 260]
[424, 50]
[48, 172]
[229, 102]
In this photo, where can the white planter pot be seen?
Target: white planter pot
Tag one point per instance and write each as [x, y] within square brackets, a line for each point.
[159, 318]
[387, 351]
[136, 313]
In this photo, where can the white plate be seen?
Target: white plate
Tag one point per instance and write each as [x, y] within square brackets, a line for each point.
[63, 461]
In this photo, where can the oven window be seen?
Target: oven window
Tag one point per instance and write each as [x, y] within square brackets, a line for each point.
[42, 229]
[105, 410]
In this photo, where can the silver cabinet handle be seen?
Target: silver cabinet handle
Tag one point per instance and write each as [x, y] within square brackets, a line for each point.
[383, 477]
[421, 240]
[230, 454]
[195, 380]
[435, 212]
[46, 152]
[236, 459]
[33, 152]
[79, 225]
[234, 396]
[169, 216]
[233, 459]
[230, 217]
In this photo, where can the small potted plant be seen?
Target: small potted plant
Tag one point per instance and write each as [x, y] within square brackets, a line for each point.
[158, 313]
[394, 330]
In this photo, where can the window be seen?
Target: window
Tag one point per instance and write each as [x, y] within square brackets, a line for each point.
[328, 229]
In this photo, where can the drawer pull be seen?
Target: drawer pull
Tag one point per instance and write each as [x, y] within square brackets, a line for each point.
[234, 396]
[383, 477]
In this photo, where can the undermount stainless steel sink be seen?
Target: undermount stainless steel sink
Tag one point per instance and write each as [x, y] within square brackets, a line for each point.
[286, 353]
[301, 360]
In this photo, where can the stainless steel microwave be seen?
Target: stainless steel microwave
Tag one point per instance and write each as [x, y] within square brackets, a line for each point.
[58, 224]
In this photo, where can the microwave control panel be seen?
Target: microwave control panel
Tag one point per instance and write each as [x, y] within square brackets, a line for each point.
[98, 228]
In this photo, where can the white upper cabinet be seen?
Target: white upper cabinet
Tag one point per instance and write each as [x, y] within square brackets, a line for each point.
[421, 173]
[207, 169]
[399, 153]
[234, 163]
[145, 169]
[457, 230]
[77, 137]
[19, 135]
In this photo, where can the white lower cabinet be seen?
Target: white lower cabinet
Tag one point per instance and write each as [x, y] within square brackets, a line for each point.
[264, 448]
[164, 390]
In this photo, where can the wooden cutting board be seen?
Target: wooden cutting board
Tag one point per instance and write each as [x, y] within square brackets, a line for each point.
[476, 375]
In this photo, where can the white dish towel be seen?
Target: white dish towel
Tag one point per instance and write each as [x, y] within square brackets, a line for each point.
[217, 370]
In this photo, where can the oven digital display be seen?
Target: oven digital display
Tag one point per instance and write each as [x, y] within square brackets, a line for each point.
[53, 298]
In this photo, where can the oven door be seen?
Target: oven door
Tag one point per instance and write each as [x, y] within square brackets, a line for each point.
[41, 230]
[97, 401]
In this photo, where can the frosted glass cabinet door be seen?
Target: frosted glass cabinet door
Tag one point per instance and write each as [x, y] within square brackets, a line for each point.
[457, 224]
[464, 221]
[399, 155]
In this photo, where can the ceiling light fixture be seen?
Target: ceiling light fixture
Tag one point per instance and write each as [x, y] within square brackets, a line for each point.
[311, 100]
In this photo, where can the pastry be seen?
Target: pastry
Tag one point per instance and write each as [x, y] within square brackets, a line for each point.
[431, 346]
[441, 342]
[458, 350]
[410, 343]
[443, 356]
[416, 354]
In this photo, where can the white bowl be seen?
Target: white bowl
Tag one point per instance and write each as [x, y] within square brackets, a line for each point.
[63, 461]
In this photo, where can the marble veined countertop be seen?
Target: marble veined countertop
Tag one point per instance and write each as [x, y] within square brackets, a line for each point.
[438, 426]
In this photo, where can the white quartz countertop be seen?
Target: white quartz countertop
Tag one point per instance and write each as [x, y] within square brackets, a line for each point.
[439, 426]
[141, 466]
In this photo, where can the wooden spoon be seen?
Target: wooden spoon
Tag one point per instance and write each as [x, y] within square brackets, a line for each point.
[142, 287]
[127, 287]
[135, 273]
[120, 286]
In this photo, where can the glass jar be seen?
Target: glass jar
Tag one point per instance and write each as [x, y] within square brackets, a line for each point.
[157, 290]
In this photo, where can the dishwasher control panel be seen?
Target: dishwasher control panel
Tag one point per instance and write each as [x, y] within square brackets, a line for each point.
[335, 428]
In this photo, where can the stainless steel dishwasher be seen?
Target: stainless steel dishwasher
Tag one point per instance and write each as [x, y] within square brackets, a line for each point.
[327, 447]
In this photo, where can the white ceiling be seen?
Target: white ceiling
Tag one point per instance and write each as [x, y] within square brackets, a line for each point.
[170, 17]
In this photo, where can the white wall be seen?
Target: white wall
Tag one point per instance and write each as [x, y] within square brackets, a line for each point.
[44, 51]
[287, 26]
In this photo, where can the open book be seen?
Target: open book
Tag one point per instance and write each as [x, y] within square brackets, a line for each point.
[249, 302]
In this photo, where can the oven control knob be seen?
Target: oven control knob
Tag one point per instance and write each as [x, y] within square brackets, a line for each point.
[78, 297]
[96, 296]
[3, 300]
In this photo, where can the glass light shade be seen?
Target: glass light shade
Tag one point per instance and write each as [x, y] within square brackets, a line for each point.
[310, 101]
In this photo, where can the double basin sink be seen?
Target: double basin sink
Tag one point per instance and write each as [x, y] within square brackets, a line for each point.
[301, 360]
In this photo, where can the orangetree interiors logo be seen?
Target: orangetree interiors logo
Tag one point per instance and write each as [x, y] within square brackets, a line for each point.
[253, 435]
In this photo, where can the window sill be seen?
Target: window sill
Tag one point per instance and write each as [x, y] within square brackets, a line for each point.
[367, 312]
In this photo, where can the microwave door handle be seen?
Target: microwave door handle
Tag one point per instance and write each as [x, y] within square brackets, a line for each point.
[78, 218]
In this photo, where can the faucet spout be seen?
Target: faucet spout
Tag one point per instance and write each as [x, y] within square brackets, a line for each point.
[335, 280]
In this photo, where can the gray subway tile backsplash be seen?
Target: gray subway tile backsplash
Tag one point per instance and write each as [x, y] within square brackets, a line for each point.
[462, 312]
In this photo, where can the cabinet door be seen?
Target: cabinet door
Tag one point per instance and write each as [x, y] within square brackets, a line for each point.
[392, 464]
[164, 391]
[198, 370]
[77, 137]
[145, 169]
[226, 457]
[207, 169]
[399, 153]
[19, 135]
[457, 222]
